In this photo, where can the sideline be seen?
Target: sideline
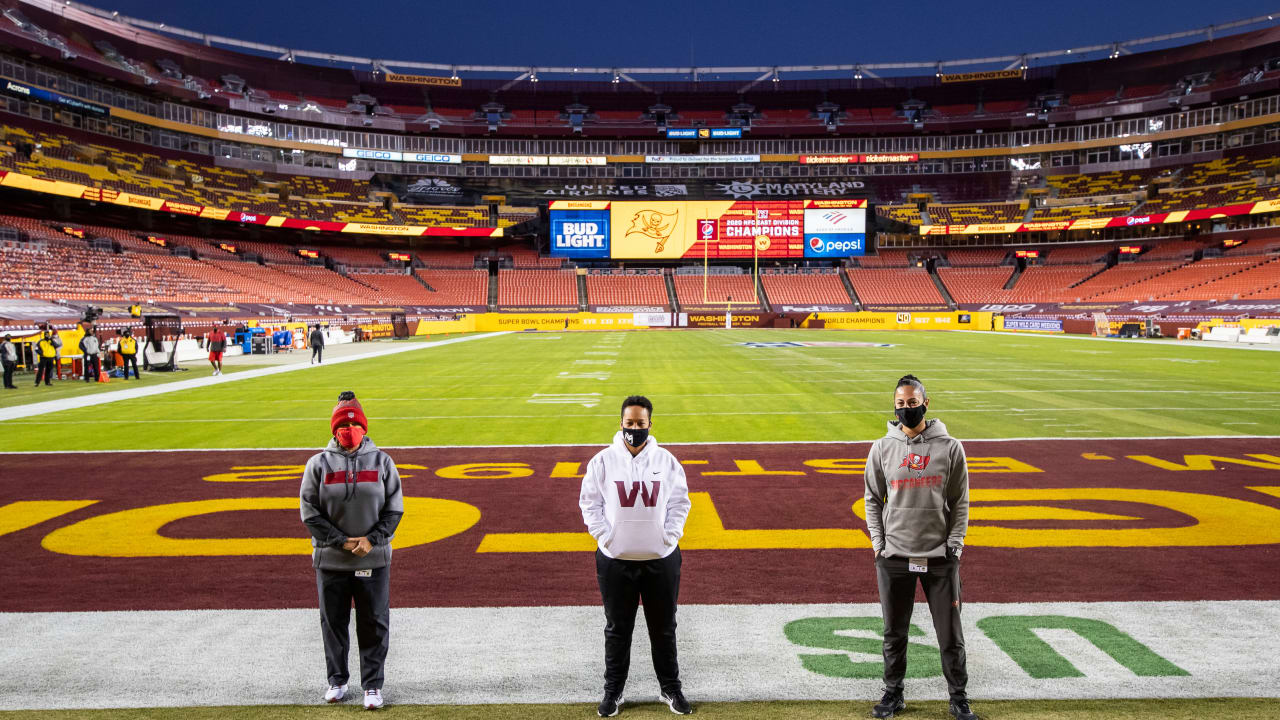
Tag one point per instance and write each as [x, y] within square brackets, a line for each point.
[50, 406]
[1167, 342]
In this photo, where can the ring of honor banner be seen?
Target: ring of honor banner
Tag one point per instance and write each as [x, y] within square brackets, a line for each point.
[728, 229]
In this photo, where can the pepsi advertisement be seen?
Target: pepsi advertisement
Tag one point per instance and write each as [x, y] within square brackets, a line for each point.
[580, 233]
[834, 245]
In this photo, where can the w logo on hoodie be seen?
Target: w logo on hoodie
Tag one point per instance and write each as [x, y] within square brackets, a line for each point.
[648, 495]
[915, 462]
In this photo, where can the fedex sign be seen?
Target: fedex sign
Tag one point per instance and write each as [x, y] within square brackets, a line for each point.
[580, 233]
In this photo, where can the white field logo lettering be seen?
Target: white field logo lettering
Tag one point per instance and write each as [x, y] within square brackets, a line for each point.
[580, 235]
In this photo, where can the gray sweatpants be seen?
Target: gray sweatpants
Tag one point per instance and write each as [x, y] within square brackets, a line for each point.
[897, 599]
[372, 598]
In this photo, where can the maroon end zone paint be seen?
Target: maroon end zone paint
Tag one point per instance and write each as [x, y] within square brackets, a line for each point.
[451, 573]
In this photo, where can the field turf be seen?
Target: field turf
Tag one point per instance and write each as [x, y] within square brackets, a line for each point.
[708, 385]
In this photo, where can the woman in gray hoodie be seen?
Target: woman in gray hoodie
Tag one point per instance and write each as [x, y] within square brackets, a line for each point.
[351, 504]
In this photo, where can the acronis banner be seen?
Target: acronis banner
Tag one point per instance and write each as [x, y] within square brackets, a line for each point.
[580, 233]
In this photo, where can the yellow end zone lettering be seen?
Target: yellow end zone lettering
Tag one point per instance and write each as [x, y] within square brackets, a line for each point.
[1220, 520]
[136, 532]
[702, 531]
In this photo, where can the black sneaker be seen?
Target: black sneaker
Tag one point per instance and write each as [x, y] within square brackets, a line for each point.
[890, 704]
[677, 702]
[959, 710]
[611, 705]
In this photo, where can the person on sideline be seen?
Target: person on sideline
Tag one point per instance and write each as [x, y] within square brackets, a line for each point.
[90, 347]
[316, 340]
[634, 501]
[351, 504]
[917, 506]
[9, 359]
[46, 354]
[129, 353]
[217, 346]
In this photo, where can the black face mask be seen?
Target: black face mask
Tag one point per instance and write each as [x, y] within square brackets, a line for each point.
[910, 416]
[635, 437]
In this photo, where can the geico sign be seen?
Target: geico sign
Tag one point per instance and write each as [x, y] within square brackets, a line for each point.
[580, 235]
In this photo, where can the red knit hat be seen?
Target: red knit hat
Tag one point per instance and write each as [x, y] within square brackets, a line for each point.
[348, 408]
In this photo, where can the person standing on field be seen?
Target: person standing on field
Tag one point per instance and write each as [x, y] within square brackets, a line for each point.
[634, 501]
[89, 347]
[917, 507]
[129, 353]
[316, 341]
[217, 346]
[46, 354]
[351, 503]
[9, 358]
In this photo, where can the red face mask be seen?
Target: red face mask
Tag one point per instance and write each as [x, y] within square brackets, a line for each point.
[350, 436]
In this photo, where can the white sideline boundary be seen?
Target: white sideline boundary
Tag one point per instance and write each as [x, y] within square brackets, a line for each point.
[51, 406]
[1146, 341]
[603, 443]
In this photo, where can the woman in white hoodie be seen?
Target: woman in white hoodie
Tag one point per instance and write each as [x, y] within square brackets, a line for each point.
[634, 501]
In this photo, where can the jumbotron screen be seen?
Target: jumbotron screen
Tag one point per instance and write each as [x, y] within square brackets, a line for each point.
[717, 230]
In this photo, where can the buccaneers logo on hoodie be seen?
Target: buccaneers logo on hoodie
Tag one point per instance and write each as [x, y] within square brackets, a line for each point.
[915, 462]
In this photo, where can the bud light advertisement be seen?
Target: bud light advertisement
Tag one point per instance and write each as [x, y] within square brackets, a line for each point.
[580, 233]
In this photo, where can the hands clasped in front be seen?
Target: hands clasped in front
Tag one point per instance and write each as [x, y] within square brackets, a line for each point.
[359, 546]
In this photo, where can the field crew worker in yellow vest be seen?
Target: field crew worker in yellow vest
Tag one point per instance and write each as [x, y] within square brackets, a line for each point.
[351, 504]
[634, 501]
[46, 355]
[917, 505]
[129, 353]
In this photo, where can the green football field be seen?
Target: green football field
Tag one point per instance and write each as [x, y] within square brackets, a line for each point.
[706, 385]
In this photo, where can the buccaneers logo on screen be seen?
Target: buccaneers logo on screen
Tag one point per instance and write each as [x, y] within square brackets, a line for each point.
[655, 225]
[915, 462]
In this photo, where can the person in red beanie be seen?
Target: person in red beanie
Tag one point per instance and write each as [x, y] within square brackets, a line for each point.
[351, 504]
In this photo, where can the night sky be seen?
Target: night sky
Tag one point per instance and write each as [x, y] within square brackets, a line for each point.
[672, 32]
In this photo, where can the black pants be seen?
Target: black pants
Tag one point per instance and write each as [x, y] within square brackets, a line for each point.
[8, 373]
[897, 599]
[316, 352]
[126, 361]
[91, 368]
[45, 371]
[623, 584]
[372, 596]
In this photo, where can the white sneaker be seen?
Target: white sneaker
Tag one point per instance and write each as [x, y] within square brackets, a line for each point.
[335, 693]
[372, 699]
[215, 372]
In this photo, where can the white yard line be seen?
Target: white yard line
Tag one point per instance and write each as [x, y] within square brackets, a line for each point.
[879, 411]
[71, 403]
[1038, 439]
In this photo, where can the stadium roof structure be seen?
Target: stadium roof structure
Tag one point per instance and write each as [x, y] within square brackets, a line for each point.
[754, 73]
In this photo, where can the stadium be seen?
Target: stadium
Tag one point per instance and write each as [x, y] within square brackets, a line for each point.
[1076, 250]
